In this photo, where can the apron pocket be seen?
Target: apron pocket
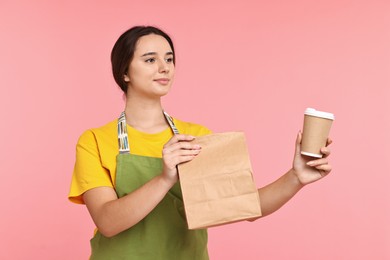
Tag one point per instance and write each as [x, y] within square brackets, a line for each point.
[179, 206]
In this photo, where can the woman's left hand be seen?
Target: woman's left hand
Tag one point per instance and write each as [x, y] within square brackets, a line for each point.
[308, 169]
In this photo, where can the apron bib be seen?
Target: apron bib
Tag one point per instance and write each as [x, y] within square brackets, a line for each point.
[163, 234]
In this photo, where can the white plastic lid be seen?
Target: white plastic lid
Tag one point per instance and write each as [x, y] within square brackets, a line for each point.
[313, 112]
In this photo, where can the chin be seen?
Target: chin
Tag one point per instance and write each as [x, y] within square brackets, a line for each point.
[163, 91]
[163, 94]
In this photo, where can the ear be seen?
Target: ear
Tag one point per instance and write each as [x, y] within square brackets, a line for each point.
[126, 78]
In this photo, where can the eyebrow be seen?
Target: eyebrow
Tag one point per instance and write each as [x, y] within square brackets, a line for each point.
[154, 53]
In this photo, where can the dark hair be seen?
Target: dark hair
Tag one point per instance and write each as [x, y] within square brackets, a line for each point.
[123, 51]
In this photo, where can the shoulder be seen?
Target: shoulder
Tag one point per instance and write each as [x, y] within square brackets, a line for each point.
[103, 134]
[191, 128]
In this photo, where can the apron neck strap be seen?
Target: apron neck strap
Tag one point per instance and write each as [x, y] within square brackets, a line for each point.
[171, 123]
[123, 141]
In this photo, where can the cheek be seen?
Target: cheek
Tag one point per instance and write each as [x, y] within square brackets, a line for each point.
[144, 72]
[136, 74]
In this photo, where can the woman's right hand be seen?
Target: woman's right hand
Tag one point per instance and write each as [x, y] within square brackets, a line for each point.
[112, 215]
[178, 149]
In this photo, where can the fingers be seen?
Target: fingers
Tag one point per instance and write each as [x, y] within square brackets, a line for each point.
[179, 138]
[321, 165]
[180, 146]
[324, 168]
[318, 162]
[183, 152]
[299, 137]
[180, 142]
[298, 143]
[179, 149]
[172, 162]
[325, 151]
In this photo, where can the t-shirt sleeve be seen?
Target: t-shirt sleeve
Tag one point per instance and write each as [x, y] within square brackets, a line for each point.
[204, 131]
[88, 171]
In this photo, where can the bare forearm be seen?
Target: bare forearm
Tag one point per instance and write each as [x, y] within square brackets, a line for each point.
[112, 215]
[276, 194]
[117, 215]
[305, 170]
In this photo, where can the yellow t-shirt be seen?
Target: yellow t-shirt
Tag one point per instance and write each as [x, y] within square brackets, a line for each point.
[97, 149]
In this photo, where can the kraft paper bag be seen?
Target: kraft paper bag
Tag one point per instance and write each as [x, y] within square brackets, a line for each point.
[217, 185]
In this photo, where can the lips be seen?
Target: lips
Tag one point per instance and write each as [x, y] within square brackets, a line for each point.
[162, 81]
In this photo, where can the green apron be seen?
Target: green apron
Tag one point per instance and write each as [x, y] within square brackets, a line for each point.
[163, 234]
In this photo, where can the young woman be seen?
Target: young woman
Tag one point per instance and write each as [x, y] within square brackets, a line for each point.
[126, 172]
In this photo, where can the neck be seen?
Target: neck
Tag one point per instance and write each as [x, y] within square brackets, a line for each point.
[145, 114]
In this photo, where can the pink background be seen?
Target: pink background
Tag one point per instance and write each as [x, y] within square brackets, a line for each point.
[241, 65]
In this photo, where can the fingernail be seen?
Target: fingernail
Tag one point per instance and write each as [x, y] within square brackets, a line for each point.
[310, 163]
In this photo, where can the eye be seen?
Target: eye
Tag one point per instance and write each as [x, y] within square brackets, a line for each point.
[151, 60]
[169, 60]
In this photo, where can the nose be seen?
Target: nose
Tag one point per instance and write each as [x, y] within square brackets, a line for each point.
[163, 67]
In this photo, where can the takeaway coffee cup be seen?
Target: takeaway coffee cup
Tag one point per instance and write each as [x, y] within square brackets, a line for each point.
[316, 128]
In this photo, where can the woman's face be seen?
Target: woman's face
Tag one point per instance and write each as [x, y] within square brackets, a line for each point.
[151, 71]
